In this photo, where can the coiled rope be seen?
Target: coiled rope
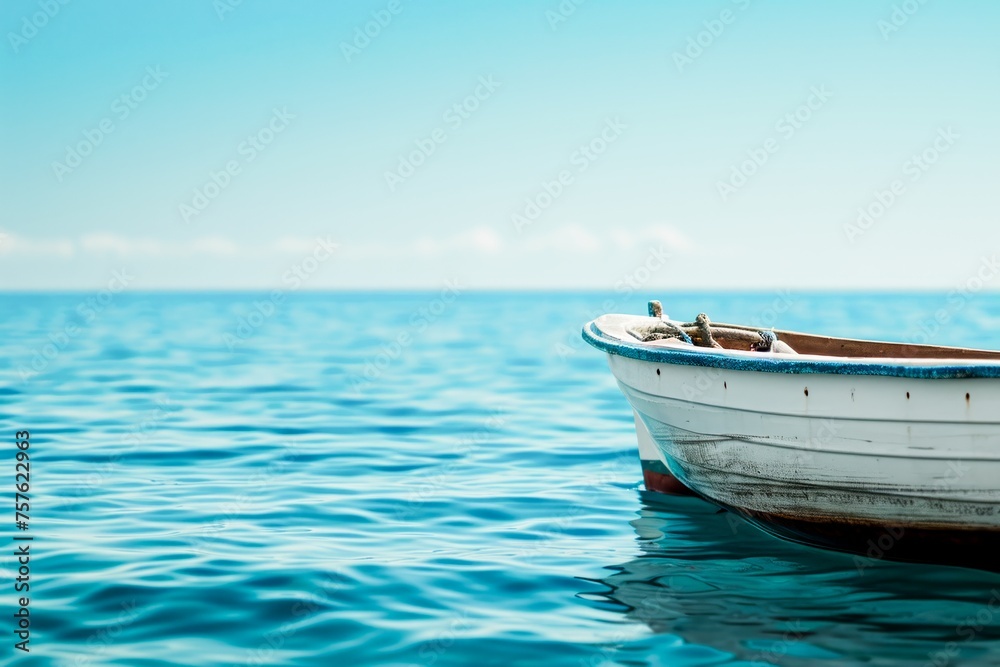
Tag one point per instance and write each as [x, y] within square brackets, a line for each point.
[701, 333]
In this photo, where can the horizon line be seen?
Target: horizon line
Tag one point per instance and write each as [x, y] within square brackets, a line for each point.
[494, 290]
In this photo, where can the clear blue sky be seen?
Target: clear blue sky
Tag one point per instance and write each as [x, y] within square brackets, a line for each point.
[314, 121]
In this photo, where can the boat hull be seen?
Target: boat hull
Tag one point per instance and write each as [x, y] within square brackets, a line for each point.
[895, 467]
[656, 476]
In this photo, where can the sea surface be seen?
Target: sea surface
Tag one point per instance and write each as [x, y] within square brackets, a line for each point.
[419, 479]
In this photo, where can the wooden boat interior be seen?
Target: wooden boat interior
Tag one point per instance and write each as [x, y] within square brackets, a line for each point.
[830, 346]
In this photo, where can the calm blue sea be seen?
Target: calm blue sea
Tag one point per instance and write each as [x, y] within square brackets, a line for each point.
[418, 479]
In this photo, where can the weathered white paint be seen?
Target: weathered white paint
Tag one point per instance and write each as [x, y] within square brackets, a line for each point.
[648, 451]
[871, 449]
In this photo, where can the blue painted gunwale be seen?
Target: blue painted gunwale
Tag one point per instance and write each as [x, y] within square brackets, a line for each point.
[593, 335]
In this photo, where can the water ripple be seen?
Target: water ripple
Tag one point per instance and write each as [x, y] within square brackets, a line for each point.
[475, 500]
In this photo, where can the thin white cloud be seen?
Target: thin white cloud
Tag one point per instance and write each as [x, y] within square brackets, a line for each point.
[668, 235]
[562, 240]
[574, 239]
[114, 244]
[215, 245]
[107, 244]
[485, 239]
[294, 245]
[480, 239]
[566, 239]
[577, 239]
[13, 244]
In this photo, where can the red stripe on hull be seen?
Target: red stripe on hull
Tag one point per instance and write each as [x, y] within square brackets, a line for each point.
[664, 483]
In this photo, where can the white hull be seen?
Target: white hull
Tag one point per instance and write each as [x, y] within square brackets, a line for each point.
[887, 454]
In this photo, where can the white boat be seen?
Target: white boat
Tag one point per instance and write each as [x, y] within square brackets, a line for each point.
[884, 449]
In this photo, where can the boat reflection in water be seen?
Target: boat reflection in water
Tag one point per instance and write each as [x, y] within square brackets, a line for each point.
[713, 589]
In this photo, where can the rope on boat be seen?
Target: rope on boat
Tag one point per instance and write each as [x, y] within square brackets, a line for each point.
[701, 333]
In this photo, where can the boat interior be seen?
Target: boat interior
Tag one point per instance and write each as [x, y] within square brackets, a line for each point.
[704, 333]
[803, 343]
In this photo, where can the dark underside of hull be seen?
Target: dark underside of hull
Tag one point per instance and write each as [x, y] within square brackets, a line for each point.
[944, 545]
[975, 548]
